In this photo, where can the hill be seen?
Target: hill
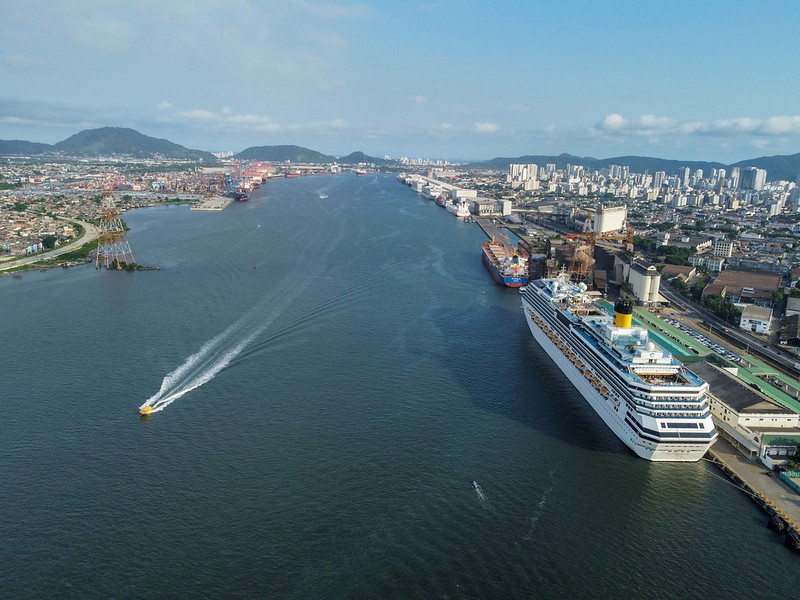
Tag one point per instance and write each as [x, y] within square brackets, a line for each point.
[107, 141]
[22, 148]
[782, 167]
[298, 154]
[283, 153]
[355, 158]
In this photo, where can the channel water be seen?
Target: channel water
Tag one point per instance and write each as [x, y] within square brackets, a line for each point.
[334, 367]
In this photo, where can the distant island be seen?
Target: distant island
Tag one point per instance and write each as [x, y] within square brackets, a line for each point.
[122, 141]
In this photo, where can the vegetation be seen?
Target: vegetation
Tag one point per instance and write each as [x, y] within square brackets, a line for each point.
[679, 284]
[722, 308]
[677, 255]
[644, 245]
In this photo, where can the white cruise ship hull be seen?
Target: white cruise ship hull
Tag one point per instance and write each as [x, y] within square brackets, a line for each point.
[611, 409]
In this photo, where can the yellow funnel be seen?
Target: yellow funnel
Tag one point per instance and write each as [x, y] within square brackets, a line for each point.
[623, 313]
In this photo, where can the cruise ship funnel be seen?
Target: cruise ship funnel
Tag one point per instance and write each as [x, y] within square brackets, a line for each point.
[623, 313]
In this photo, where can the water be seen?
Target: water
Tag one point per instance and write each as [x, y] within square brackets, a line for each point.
[333, 367]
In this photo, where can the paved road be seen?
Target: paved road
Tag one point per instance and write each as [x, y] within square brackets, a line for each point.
[89, 233]
[732, 334]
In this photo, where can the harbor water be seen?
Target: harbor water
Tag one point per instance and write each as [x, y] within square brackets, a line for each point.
[335, 367]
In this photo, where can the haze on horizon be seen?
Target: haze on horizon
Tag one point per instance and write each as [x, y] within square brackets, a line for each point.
[446, 79]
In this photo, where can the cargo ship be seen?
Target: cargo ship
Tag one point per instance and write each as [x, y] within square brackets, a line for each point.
[654, 404]
[461, 209]
[510, 269]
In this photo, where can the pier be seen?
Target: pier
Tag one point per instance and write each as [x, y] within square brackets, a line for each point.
[781, 504]
[213, 203]
[494, 233]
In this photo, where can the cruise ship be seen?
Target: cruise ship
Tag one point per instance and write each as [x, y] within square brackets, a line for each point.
[656, 406]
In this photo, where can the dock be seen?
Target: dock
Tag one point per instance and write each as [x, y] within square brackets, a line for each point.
[494, 233]
[781, 503]
[212, 203]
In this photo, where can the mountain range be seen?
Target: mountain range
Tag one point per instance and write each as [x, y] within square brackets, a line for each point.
[107, 141]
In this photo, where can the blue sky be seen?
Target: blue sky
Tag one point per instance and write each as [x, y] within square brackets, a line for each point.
[439, 79]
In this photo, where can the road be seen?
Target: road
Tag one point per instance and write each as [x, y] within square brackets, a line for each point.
[732, 333]
[90, 233]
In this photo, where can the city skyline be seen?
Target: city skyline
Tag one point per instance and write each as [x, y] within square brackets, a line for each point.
[448, 80]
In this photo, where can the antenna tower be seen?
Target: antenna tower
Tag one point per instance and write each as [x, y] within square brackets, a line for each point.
[112, 243]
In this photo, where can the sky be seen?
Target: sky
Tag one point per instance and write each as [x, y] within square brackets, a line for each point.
[451, 79]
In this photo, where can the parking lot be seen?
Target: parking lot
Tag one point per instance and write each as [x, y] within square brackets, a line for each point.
[703, 339]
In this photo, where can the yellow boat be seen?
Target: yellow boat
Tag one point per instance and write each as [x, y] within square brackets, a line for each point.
[146, 410]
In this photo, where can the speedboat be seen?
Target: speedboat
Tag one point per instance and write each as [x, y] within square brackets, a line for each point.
[475, 485]
[146, 410]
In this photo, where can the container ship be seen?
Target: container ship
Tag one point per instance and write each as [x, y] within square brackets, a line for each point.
[506, 268]
[656, 406]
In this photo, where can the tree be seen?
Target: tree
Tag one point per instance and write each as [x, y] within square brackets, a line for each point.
[724, 309]
[696, 291]
[679, 284]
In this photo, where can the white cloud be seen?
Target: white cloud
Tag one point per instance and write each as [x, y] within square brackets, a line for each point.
[103, 33]
[485, 127]
[332, 10]
[20, 61]
[164, 105]
[653, 122]
[224, 120]
[614, 122]
[196, 115]
[651, 125]
[327, 86]
[418, 99]
[782, 125]
[519, 109]
[339, 124]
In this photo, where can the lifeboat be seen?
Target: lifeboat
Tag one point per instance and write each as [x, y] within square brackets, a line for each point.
[604, 391]
[146, 410]
[587, 373]
[579, 364]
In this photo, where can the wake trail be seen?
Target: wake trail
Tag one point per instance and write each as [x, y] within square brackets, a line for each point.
[540, 506]
[222, 350]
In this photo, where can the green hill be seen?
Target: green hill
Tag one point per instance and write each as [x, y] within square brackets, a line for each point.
[355, 158]
[107, 141]
[283, 153]
[782, 167]
[22, 148]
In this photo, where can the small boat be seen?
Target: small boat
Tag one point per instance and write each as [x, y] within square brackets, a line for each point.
[475, 485]
[146, 410]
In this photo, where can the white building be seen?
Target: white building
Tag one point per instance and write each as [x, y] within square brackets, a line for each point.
[644, 281]
[723, 248]
[610, 219]
[748, 418]
[757, 319]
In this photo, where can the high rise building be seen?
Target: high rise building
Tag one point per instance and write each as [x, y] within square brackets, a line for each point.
[735, 177]
[683, 176]
[752, 178]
